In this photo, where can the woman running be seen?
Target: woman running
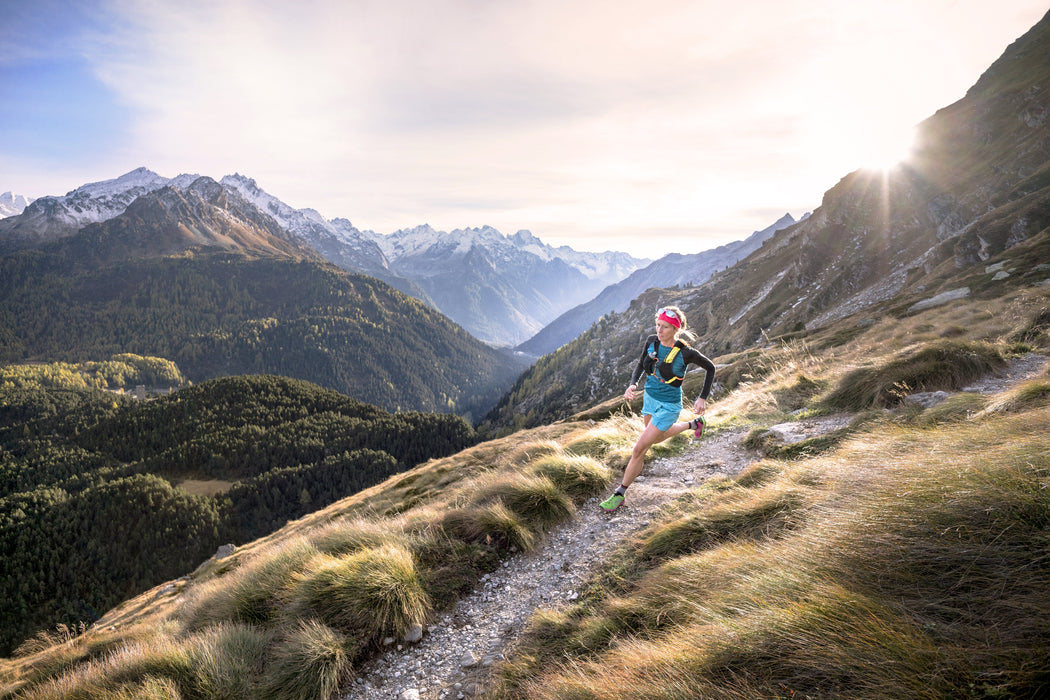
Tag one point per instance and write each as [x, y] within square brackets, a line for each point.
[664, 359]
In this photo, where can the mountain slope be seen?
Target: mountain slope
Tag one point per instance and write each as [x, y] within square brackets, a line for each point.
[337, 241]
[671, 270]
[171, 220]
[968, 216]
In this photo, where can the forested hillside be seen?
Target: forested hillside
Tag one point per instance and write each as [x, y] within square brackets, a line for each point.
[220, 314]
[90, 508]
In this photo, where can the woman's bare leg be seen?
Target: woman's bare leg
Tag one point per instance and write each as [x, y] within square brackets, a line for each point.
[650, 436]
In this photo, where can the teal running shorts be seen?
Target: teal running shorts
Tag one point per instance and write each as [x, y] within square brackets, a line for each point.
[664, 414]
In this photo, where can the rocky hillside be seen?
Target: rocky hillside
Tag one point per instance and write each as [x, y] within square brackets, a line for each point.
[968, 216]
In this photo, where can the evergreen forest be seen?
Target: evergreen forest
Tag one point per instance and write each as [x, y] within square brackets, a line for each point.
[223, 314]
[91, 508]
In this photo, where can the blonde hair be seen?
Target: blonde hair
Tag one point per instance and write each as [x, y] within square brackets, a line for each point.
[683, 331]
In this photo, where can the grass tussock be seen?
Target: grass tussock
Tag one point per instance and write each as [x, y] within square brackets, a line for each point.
[493, 524]
[957, 407]
[578, 476]
[942, 365]
[348, 535]
[610, 441]
[369, 594]
[225, 660]
[742, 514]
[311, 663]
[1035, 330]
[916, 566]
[536, 499]
[253, 593]
[1026, 396]
[61, 635]
[797, 395]
[156, 663]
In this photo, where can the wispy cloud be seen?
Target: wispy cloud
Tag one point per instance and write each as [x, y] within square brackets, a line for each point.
[582, 120]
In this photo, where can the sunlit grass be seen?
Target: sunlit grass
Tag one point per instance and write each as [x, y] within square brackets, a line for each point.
[369, 594]
[253, 593]
[494, 524]
[536, 499]
[760, 513]
[912, 563]
[1034, 393]
[225, 660]
[577, 475]
[948, 365]
[311, 663]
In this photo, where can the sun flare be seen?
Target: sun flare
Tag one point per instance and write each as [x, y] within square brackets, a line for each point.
[885, 146]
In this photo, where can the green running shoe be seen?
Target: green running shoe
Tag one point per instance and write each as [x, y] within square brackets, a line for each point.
[612, 502]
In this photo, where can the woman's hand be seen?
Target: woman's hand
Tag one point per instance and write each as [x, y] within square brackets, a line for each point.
[699, 406]
[629, 394]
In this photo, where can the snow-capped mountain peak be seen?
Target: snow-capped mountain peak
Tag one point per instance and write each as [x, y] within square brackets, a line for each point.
[338, 240]
[13, 204]
[50, 218]
[251, 191]
[140, 180]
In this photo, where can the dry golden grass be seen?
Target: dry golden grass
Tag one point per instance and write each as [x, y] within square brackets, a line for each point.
[254, 592]
[368, 594]
[1034, 393]
[913, 564]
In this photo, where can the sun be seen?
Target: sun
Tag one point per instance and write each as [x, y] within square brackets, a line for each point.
[884, 145]
[876, 141]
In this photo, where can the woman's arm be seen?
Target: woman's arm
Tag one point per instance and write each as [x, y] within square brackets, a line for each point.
[692, 356]
[639, 369]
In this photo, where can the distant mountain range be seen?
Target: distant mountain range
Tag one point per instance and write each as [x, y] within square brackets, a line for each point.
[674, 269]
[502, 289]
[967, 216]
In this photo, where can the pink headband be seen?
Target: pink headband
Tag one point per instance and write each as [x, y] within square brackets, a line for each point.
[670, 317]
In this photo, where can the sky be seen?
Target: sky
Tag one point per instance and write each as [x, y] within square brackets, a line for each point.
[632, 125]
